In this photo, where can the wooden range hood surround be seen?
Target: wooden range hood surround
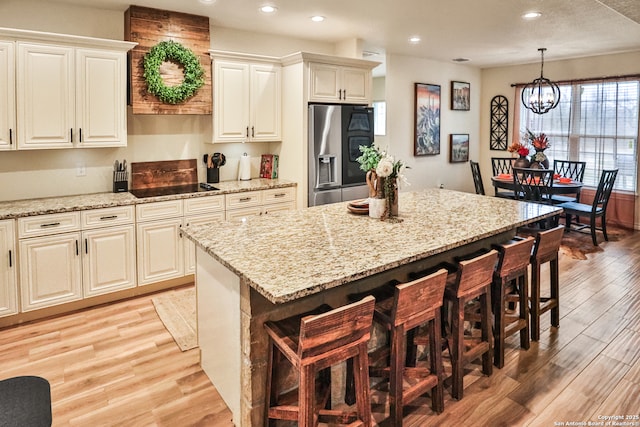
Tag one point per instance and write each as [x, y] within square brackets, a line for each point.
[148, 27]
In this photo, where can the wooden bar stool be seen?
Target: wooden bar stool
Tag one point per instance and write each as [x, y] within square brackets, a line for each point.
[471, 280]
[510, 286]
[414, 304]
[313, 343]
[545, 250]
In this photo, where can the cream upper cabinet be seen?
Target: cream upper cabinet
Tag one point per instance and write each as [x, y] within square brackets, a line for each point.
[337, 83]
[8, 275]
[45, 96]
[7, 96]
[70, 91]
[247, 101]
[101, 98]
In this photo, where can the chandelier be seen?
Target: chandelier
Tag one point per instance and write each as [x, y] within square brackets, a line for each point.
[541, 95]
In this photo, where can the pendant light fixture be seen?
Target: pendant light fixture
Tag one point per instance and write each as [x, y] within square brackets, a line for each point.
[541, 95]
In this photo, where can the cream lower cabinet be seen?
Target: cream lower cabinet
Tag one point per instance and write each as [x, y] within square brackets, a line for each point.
[8, 273]
[241, 206]
[160, 242]
[50, 264]
[197, 211]
[109, 250]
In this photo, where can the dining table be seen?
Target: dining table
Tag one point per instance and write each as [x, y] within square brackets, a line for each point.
[560, 185]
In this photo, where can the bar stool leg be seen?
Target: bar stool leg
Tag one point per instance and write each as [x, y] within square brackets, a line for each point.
[555, 291]
[396, 373]
[485, 312]
[499, 332]
[361, 379]
[457, 349]
[435, 357]
[306, 396]
[523, 293]
[535, 302]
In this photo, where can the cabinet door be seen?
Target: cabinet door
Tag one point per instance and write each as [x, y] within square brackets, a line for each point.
[160, 251]
[45, 96]
[356, 85]
[7, 97]
[101, 98]
[50, 270]
[8, 282]
[108, 260]
[266, 105]
[231, 102]
[324, 84]
[189, 246]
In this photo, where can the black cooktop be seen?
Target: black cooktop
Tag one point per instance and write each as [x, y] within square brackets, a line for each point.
[142, 193]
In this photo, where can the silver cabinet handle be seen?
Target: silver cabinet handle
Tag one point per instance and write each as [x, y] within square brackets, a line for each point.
[51, 224]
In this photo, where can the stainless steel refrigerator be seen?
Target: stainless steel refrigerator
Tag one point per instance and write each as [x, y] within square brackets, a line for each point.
[336, 133]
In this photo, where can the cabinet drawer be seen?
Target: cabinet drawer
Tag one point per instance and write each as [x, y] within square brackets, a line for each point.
[204, 205]
[107, 217]
[240, 215]
[243, 200]
[48, 224]
[278, 207]
[278, 195]
[159, 210]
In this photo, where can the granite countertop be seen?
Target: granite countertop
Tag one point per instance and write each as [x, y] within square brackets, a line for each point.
[291, 254]
[49, 205]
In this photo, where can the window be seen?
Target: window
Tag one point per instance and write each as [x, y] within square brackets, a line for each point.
[596, 122]
[379, 118]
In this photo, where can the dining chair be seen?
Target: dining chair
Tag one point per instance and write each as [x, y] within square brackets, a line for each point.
[477, 177]
[502, 165]
[569, 169]
[597, 209]
[533, 185]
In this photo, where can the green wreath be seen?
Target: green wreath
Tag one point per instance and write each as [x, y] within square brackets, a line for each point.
[175, 52]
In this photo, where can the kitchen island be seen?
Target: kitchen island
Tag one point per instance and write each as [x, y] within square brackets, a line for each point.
[277, 266]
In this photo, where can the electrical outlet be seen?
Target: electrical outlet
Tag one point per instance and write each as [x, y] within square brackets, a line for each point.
[81, 169]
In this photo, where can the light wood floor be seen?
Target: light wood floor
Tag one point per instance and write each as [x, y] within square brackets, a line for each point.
[117, 365]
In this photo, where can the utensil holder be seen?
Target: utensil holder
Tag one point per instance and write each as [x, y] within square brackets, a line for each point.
[120, 182]
[213, 175]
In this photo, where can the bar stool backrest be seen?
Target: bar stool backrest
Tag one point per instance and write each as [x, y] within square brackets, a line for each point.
[342, 327]
[547, 244]
[475, 273]
[515, 256]
[416, 301]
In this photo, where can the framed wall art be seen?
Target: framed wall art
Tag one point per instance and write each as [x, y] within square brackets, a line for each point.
[458, 147]
[499, 123]
[460, 96]
[427, 120]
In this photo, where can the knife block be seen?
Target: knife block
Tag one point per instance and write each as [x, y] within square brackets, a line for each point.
[120, 182]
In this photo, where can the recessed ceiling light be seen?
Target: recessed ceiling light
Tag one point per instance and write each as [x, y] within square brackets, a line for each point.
[414, 39]
[532, 15]
[207, 1]
[461, 60]
[317, 18]
[268, 9]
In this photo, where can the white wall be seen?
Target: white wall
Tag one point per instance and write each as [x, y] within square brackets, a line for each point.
[431, 171]
[45, 173]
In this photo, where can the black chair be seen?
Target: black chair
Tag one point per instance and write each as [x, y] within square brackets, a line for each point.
[502, 165]
[25, 401]
[597, 209]
[568, 169]
[477, 178]
[533, 185]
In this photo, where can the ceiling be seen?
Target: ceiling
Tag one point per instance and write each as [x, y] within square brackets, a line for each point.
[489, 33]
